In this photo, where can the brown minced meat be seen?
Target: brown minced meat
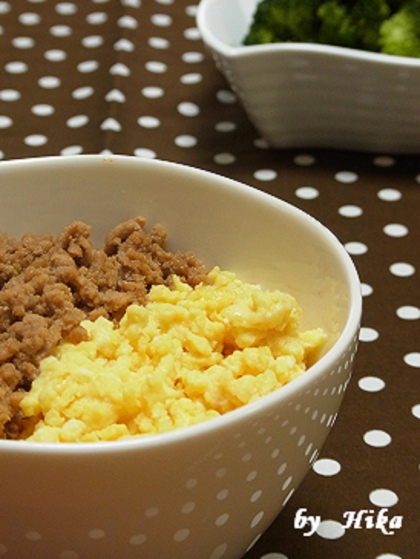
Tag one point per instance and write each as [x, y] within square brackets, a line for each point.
[49, 285]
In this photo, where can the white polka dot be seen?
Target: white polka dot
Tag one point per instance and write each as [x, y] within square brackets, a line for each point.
[77, 121]
[72, 150]
[326, 467]
[260, 143]
[186, 141]
[224, 158]
[61, 31]
[43, 110]
[5, 122]
[88, 66]
[29, 18]
[395, 230]
[307, 193]
[221, 472]
[161, 20]
[192, 34]
[225, 126]
[412, 359]
[350, 211]
[257, 519]
[151, 512]
[83, 92]
[97, 18]
[124, 45]
[5, 7]
[93, 41]
[188, 507]
[402, 269]
[148, 122]
[274, 556]
[330, 530]
[9, 95]
[115, 95]
[55, 55]
[191, 79]
[219, 551]
[222, 495]
[389, 195]
[23, 42]
[191, 11]
[145, 152]
[66, 8]
[356, 248]
[346, 177]
[377, 438]
[371, 384]
[181, 535]
[384, 161]
[96, 534]
[119, 69]
[255, 496]
[188, 109]
[304, 160]
[158, 43]
[192, 57]
[33, 536]
[16, 67]
[388, 556]
[265, 175]
[222, 519]
[49, 82]
[111, 124]
[287, 483]
[383, 498]
[366, 289]
[408, 313]
[152, 92]
[415, 410]
[127, 22]
[368, 334]
[131, 3]
[226, 97]
[156, 67]
[138, 539]
[35, 140]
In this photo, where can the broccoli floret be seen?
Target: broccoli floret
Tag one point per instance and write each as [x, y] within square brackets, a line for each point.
[282, 21]
[400, 34]
[353, 24]
[389, 26]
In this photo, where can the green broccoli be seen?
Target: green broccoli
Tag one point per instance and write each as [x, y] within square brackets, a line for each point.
[389, 26]
[352, 24]
[283, 20]
[400, 34]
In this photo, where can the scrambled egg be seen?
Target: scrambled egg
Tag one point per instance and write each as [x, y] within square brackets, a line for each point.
[187, 356]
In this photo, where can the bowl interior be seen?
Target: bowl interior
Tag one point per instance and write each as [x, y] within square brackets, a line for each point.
[262, 239]
[226, 22]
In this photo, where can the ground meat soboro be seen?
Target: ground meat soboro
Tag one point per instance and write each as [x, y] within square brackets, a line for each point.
[49, 285]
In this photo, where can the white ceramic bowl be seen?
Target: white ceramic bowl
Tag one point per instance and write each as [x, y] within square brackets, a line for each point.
[306, 95]
[209, 490]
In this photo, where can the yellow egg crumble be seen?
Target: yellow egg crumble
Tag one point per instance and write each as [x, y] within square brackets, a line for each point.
[186, 356]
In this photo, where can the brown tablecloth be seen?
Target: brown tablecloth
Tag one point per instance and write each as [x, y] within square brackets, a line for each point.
[133, 77]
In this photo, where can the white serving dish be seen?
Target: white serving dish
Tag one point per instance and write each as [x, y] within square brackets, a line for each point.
[307, 95]
[210, 490]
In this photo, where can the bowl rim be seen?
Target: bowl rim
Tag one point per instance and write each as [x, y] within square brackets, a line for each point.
[229, 420]
[268, 49]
